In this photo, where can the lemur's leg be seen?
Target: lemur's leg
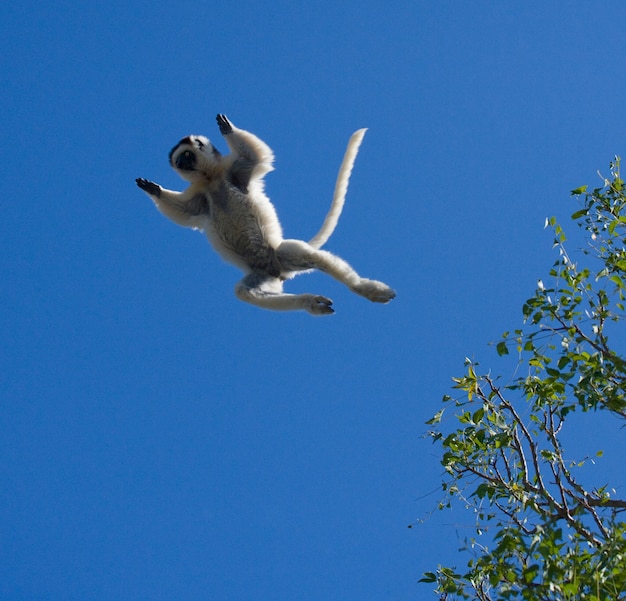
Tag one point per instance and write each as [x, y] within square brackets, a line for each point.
[296, 255]
[265, 291]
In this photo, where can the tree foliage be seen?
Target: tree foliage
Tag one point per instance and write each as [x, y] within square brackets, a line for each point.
[541, 534]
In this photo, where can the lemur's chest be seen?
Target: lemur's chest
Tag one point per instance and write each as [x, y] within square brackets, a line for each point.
[237, 231]
[235, 218]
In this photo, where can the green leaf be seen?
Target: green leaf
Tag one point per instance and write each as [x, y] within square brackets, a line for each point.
[435, 419]
[478, 415]
[502, 349]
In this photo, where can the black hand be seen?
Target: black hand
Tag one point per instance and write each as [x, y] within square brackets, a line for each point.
[148, 186]
[226, 127]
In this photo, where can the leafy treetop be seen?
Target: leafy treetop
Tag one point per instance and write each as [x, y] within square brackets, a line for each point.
[541, 534]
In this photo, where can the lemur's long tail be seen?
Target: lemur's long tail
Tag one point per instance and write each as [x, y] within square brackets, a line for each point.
[341, 187]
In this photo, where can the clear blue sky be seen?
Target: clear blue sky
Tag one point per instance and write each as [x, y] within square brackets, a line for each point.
[161, 440]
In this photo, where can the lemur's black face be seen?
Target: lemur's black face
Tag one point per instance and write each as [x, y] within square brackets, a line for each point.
[186, 161]
[193, 157]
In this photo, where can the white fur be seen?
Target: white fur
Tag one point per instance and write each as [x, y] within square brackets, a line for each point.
[226, 200]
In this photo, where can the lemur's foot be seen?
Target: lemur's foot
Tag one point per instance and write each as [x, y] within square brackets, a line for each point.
[377, 292]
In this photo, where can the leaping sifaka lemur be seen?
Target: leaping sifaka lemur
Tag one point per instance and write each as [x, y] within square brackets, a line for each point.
[226, 200]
